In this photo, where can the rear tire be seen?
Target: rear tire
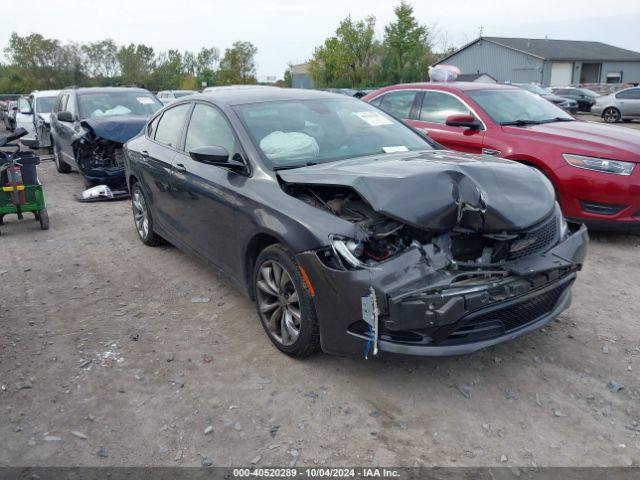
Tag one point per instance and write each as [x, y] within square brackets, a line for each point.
[142, 218]
[284, 304]
[611, 115]
[61, 166]
[44, 219]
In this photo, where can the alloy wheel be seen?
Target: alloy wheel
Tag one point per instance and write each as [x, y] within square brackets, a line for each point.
[278, 302]
[611, 115]
[140, 213]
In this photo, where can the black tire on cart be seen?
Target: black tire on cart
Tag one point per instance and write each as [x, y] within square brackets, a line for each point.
[44, 219]
[1, 219]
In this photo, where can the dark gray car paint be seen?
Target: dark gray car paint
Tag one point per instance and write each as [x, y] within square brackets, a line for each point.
[427, 189]
[253, 204]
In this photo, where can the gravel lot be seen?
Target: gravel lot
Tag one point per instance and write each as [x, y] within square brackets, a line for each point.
[105, 359]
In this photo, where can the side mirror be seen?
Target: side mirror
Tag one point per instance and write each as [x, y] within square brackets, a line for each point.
[14, 108]
[216, 155]
[463, 120]
[65, 116]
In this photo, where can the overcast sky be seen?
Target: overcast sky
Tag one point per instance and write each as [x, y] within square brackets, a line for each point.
[288, 30]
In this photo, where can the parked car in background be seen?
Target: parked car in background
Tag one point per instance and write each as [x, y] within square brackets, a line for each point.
[9, 118]
[24, 119]
[593, 167]
[90, 125]
[585, 97]
[168, 96]
[348, 227]
[42, 103]
[566, 104]
[3, 108]
[623, 105]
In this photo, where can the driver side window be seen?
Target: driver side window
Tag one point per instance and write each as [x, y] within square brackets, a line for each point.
[208, 127]
[437, 106]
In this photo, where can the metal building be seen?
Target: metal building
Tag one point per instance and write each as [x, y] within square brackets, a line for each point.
[300, 77]
[547, 62]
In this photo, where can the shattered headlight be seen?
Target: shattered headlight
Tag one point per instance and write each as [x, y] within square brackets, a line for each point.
[348, 250]
[604, 165]
[564, 228]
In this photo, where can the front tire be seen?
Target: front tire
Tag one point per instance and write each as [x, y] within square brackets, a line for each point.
[142, 218]
[611, 115]
[61, 166]
[284, 304]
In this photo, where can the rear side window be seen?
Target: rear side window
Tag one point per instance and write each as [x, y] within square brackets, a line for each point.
[437, 106]
[208, 127]
[633, 94]
[398, 103]
[170, 125]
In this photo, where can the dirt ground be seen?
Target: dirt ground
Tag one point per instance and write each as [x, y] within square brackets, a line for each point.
[105, 359]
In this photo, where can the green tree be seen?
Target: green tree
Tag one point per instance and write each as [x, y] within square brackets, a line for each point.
[137, 63]
[286, 78]
[407, 47]
[348, 59]
[101, 59]
[207, 66]
[42, 63]
[238, 64]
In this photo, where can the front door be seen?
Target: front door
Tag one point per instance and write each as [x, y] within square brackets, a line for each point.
[205, 194]
[431, 117]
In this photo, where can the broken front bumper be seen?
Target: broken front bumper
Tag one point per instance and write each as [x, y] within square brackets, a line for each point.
[421, 312]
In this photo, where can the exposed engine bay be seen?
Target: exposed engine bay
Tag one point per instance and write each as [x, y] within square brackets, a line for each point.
[99, 154]
[379, 237]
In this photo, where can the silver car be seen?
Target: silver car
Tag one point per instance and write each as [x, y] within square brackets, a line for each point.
[622, 105]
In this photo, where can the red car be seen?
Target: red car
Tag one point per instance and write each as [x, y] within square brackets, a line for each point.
[594, 167]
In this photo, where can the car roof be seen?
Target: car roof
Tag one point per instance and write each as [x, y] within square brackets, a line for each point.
[450, 86]
[260, 93]
[109, 89]
[45, 93]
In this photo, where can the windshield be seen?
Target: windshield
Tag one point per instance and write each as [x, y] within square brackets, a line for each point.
[529, 87]
[103, 104]
[45, 104]
[300, 132]
[517, 106]
[183, 94]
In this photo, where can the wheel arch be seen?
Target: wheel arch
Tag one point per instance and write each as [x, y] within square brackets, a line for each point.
[255, 245]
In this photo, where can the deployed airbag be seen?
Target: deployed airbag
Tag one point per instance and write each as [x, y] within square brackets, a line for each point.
[289, 145]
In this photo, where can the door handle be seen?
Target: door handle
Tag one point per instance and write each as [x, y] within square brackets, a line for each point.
[145, 154]
[179, 167]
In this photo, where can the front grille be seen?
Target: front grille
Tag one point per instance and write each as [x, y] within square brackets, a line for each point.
[536, 240]
[601, 208]
[507, 319]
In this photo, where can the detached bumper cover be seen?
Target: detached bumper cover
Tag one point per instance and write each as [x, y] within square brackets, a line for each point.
[423, 313]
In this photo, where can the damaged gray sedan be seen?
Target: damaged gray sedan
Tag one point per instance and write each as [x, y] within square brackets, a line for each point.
[353, 232]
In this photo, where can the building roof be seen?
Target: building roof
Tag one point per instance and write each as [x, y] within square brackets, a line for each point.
[547, 49]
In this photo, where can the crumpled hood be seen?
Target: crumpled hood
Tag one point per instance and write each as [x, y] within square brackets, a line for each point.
[438, 190]
[117, 128]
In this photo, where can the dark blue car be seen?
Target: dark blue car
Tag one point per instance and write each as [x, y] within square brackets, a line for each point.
[90, 125]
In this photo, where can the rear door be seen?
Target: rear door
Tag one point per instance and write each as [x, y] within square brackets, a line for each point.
[434, 108]
[206, 194]
[164, 134]
[629, 102]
